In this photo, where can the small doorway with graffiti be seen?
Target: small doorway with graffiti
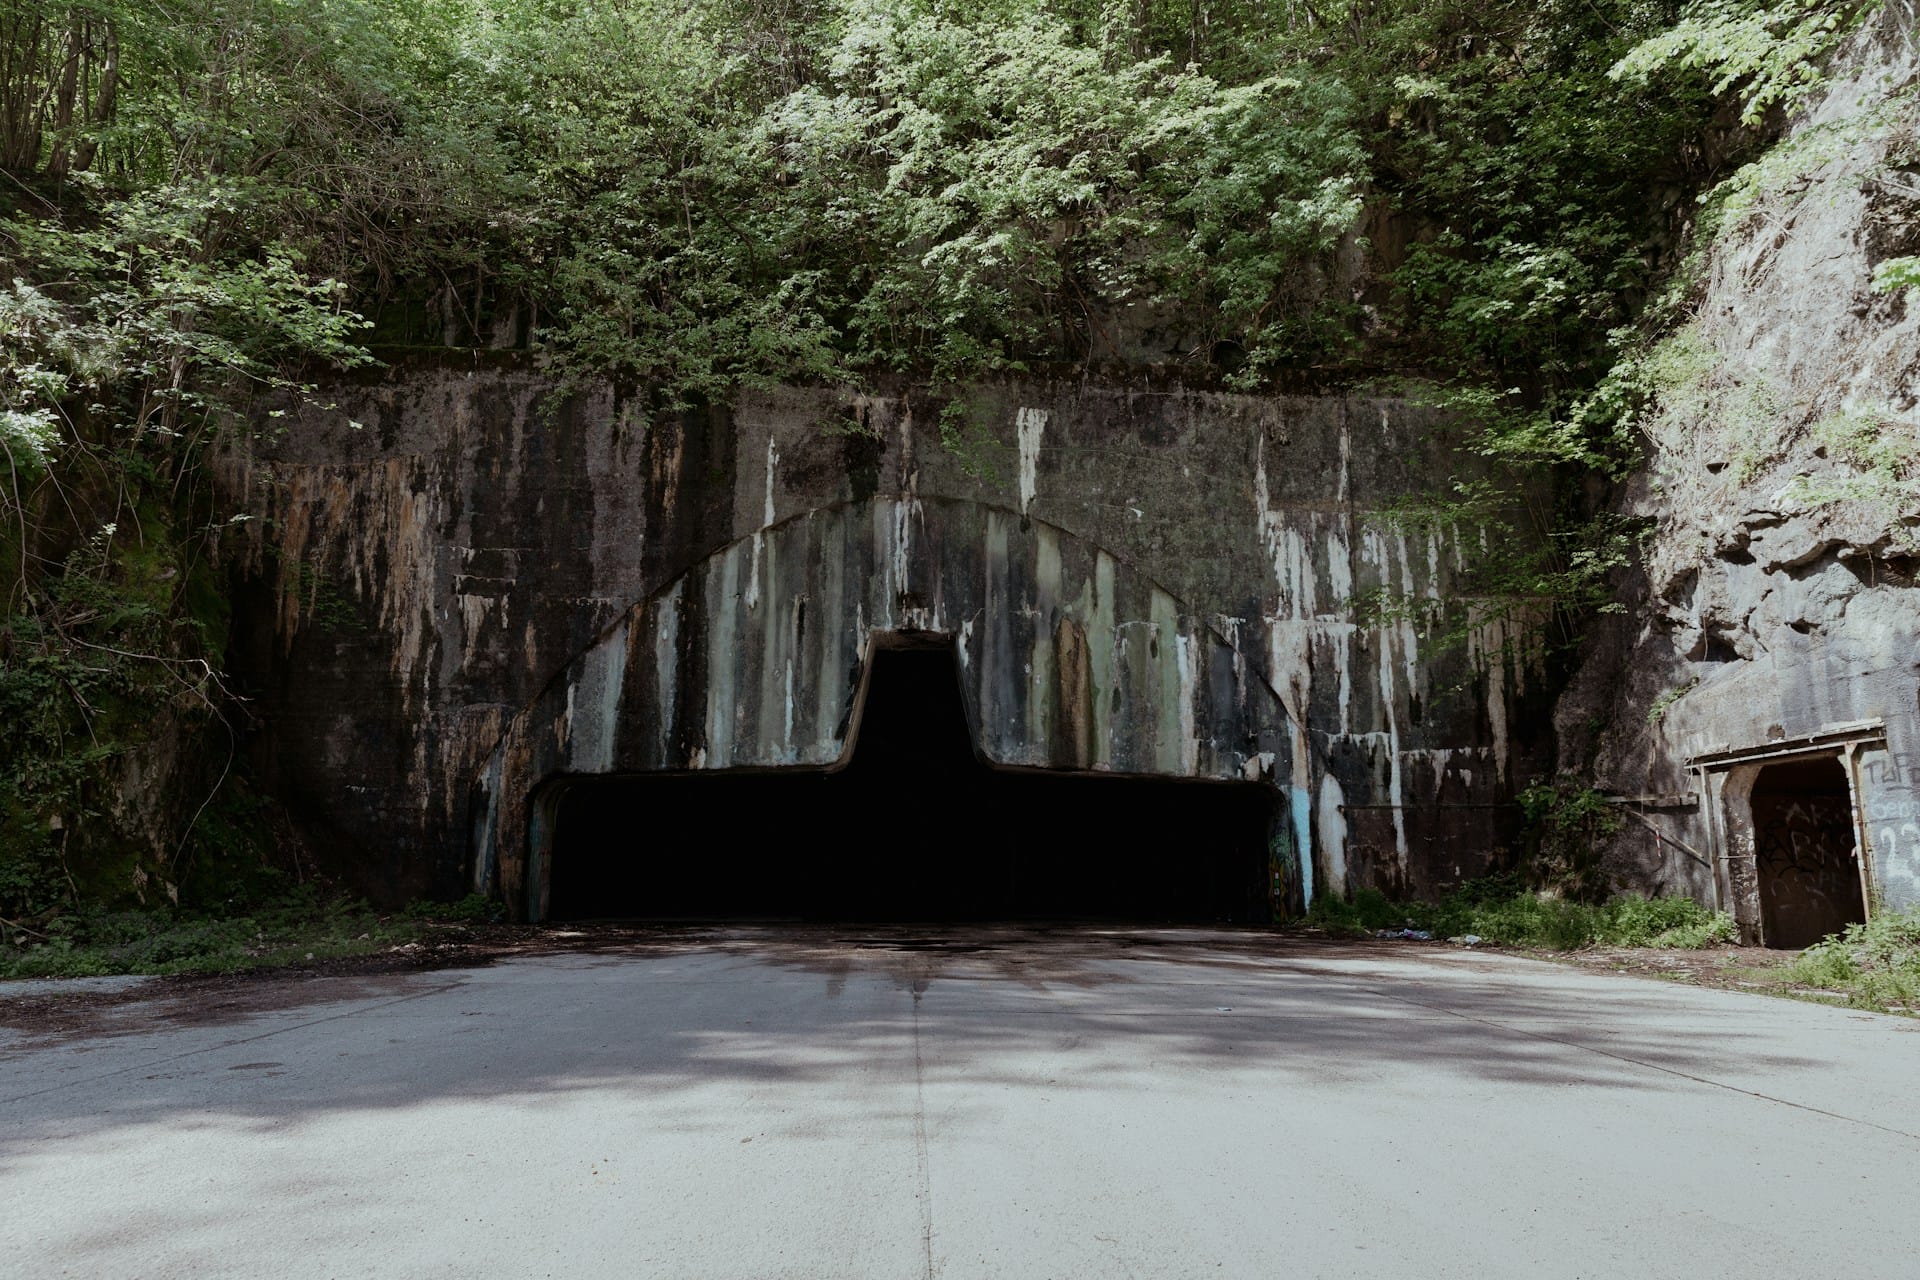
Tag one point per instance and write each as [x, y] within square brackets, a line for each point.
[1784, 824]
[1806, 858]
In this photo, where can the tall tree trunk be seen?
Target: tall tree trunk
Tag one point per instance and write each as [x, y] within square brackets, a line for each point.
[66, 94]
[104, 98]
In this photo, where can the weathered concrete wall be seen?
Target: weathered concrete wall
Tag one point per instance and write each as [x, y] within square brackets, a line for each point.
[1777, 614]
[753, 660]
[465, 585]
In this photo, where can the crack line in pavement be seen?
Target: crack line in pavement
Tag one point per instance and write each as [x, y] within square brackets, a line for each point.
[1639, 1062]
[920, 1138]
[228, 1044]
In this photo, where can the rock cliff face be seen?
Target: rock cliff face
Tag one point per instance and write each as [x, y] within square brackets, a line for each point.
[468, 589]
[1775, 630]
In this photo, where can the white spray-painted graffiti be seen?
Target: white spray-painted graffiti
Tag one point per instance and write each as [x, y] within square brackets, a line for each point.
[1891, 805]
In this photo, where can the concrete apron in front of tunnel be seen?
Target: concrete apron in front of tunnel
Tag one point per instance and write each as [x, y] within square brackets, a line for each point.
[1143, 1103]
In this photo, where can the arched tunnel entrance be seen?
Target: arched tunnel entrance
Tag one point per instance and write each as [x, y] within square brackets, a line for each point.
[913, 827]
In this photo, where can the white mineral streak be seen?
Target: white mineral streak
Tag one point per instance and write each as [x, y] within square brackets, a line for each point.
[486, 863]
[1409, 643]
[1103, 675]
[786, 739]
[1291, 630]
[475, 609]
[761, 726]
[1189, 736]
[593, 718]
[926, 616]
[382, 523]
[1029, 425]
[828, 603]
[723, 651]
[1333, 833]
[1169, 684]
[1230, 628]
[1374, 551]
[1341, 645]
[994, 726]
[1047, 579]
[666, 664]
[1048, 574]
[1487, 649]
[1440, 760]
[1339, 573]
[1286, 547]
[902, 545]
[788, 751]
[766, 520]
[884, 583]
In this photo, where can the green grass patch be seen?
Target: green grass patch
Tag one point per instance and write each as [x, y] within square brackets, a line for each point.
[1874, 965]
[296, 928]
[1499, 911]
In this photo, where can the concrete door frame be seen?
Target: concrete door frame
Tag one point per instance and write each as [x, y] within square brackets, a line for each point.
[1726, 778]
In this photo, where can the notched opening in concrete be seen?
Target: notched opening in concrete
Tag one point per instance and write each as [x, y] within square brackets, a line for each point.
[913, 826]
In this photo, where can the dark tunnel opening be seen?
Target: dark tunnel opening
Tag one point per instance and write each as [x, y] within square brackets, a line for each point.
[1804, 853]
[915, 828]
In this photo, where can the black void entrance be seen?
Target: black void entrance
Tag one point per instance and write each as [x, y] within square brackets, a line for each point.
[914, 827]
[1804, 854]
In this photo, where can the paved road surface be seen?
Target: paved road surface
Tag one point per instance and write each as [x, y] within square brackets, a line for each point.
[971, 1103]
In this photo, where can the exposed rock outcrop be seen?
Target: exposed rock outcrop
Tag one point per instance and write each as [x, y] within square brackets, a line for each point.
[1775, 611]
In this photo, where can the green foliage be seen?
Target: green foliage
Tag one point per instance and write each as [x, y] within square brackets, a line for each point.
[171, 246]
[1874, 964]
[941, 192]
[210, 200]
[1658, 708]
[964, 436]
[90, 669]
[1566, 823]
[294, 928]
[1499, 911]
[473, 909]
[1897, 273]
[1879, 469]
[1774, 53]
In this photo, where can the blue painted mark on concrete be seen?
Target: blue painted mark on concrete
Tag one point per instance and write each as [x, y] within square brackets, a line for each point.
[1303, 842]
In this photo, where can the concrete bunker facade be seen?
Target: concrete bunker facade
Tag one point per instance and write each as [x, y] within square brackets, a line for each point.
[1796, 835]
[1779, 776]
[1134, 581]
